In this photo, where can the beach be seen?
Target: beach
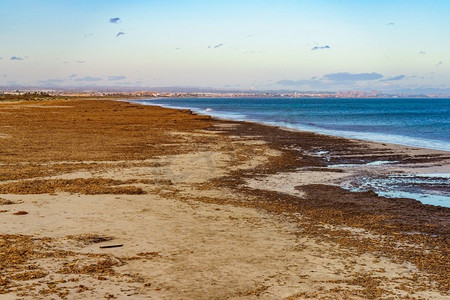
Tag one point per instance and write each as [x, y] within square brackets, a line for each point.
[109, 199]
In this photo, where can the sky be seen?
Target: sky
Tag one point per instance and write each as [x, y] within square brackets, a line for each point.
[265, 45]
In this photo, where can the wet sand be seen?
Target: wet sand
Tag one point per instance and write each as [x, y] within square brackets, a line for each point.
[204, 209]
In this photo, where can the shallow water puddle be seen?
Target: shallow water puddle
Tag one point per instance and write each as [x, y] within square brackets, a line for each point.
[433, 188]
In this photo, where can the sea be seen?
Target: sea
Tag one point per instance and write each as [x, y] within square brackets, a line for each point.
[417, 122]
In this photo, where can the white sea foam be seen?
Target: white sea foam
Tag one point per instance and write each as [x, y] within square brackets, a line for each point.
[381, 162]
[373, 164]
[434, 175]
[320, 153]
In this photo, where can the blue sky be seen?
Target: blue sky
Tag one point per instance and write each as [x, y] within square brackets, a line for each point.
[302, 45]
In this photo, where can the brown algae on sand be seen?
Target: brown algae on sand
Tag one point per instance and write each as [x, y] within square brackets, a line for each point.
[171, 187]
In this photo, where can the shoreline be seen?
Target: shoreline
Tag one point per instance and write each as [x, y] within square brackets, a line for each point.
[393, 166]
[203, 208]
[345, 135]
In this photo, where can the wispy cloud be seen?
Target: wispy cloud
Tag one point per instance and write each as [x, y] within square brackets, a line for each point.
[16, 58]
[390, 24]
[50, 82]
[72, 76]
[344, 76]
[88, 79]
[13, 83]
[75, 61]
[120, 33]
[438, 64]
[254, 52]
[395, 78]
[216, 46]
[422, 52]
[114, 20]
[320, 48]
[88, 35]
[113, 78]
[288, 82]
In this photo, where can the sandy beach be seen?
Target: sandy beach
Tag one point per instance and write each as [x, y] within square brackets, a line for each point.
[107, 199]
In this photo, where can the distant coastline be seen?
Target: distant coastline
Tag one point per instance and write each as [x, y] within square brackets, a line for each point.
[195, 92]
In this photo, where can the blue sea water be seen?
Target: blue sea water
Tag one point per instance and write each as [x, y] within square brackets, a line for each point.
[412, 122]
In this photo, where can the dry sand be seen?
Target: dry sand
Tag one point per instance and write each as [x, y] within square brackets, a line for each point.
[183, 196]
